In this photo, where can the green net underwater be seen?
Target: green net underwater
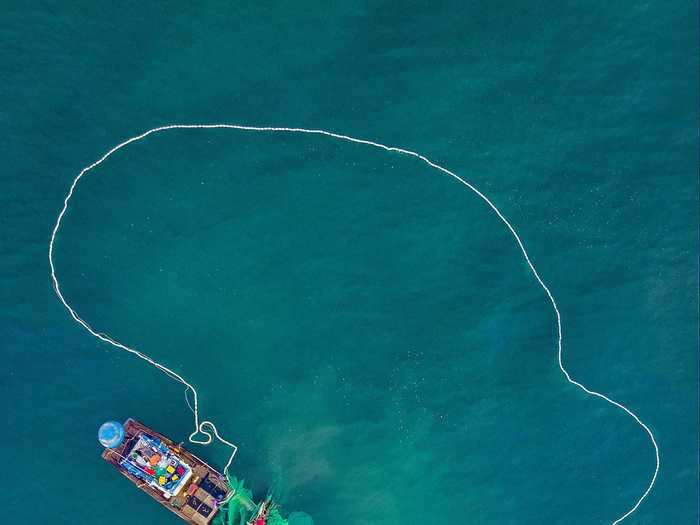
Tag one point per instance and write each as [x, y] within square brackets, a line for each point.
[240, 509]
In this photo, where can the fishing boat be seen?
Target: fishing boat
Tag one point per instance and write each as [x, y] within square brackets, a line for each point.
[174, 477]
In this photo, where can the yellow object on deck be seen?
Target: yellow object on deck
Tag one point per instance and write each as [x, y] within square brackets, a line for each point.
[161, 480]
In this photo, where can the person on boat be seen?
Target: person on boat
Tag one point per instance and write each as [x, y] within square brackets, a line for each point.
[140, 460]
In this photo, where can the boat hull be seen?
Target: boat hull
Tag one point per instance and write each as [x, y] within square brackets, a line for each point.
[197, 502]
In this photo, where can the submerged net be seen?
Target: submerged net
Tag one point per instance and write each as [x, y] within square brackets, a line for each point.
[274, 518]
[240, 508]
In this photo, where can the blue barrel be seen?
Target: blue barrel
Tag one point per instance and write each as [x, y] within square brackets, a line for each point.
[111, 434]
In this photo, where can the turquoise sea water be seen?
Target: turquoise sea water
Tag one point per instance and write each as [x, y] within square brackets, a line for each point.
[363, 327]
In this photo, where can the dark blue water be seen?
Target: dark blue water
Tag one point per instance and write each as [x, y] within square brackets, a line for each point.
[363, 327]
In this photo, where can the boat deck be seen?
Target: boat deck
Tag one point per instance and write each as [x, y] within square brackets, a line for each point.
[197, 501]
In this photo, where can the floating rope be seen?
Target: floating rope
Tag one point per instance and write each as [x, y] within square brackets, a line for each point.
[207, 428]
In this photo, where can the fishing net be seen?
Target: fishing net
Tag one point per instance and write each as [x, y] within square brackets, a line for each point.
[241, 507]
[274, 518]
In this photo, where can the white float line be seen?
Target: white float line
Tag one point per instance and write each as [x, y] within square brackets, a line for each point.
[207, 427]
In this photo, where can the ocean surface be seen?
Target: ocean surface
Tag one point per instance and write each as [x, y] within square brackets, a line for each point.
[363, 327]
